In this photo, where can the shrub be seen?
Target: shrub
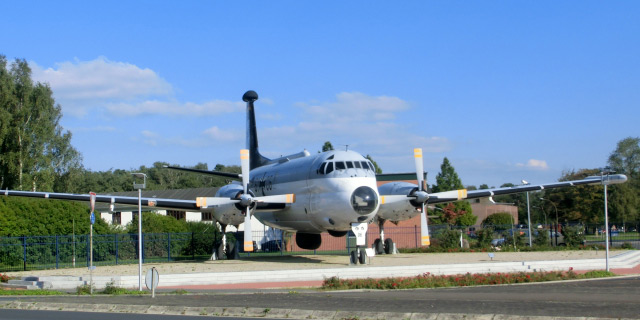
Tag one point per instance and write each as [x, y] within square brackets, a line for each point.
[449, 239]
[541, 238]
[4, 278]
[501, 220]
[627, 245]
[484, 237]
[83, 289]
[429, 280]
[573, 236]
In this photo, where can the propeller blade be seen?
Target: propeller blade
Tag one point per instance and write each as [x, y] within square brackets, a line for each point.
[393, 198]
[424, 227]
[248, 236]
[204, 202]
[417, 154]
[280, 198]
[244, 162]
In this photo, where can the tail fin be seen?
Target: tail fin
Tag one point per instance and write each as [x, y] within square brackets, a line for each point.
[256, 159]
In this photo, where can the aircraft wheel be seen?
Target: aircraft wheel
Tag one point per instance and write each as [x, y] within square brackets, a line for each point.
[363, 257]
[388, 246]
[220, 252]
[378, 246]
[353, 257]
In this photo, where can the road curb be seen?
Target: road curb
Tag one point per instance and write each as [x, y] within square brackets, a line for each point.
[265, 313]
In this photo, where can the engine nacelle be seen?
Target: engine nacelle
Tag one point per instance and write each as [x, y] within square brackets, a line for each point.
[401, 210]
[308, 241]
[229, 214]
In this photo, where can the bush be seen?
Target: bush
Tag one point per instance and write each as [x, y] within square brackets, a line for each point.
[541, 238]
[573, 236]
[484, 237]
[4, 278]
[449, 239]
[83, 289]
[627, 245]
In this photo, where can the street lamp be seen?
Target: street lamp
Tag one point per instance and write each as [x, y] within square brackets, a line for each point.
[139, 186]
[604, 176]
[524, 182]
[556, 227]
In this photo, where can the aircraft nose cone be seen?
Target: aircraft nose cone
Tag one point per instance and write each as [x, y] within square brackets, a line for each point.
[364, 200]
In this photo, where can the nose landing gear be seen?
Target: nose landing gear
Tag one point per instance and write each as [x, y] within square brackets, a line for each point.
[359, 254]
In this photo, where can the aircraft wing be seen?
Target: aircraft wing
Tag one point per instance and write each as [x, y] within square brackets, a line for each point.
[128, 203]
[455, 195]
[176, 204]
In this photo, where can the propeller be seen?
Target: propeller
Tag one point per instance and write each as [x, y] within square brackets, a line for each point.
[246, 200]
[422, 196]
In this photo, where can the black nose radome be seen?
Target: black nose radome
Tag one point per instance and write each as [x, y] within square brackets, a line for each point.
[364, 200]
[250, 96]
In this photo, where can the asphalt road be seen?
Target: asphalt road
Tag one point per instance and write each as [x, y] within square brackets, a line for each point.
[602, 298]
[10, 314]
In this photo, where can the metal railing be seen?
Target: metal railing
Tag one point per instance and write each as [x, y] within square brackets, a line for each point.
[49, 252]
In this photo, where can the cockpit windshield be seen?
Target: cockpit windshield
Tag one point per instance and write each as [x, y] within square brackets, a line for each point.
[329, 166]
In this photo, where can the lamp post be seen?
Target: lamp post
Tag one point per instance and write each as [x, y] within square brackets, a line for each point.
[556, 227]
[139, 186]
[604, 176]
[524, 182]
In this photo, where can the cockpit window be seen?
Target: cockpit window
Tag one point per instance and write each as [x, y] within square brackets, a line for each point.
[358, 165]
[364, 165]
[340, 165]
[331, 157]
[321, 169]
[350, 165]
[329, 167]
[371, 166]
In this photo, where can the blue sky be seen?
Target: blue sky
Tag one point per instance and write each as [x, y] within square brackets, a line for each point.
[507, 90]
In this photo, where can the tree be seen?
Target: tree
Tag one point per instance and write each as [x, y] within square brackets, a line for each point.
[498, 220]
[327, 146]
[375, 164]
[624, 202]
[34, 150]
[580, 203]
[446, 180]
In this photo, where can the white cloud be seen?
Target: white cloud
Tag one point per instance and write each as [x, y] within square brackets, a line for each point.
[82, 85]
[220, 135]
[534, 164]
[119, 89]
[368, 124]
[213, 107]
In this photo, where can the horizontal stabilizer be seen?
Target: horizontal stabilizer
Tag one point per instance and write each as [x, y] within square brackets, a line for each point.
[213, 173]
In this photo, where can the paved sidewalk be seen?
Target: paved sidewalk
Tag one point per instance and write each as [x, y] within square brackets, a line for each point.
[310, 271]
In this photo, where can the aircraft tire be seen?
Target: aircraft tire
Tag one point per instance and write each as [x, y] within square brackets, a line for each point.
[362, 257]
[353, 257]
[378, 246]
[231, 247]
[388, 246]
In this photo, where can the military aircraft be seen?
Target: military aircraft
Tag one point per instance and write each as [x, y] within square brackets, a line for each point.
[309, 194]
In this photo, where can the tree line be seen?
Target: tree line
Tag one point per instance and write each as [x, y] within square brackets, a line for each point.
[36, 154]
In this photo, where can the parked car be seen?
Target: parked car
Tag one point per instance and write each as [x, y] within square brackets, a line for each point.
[271, 246]
[497, 242]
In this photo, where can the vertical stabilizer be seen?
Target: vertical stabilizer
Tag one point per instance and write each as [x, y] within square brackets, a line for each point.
[255, 157]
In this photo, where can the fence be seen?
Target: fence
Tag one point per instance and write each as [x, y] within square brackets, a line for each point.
[48, 252]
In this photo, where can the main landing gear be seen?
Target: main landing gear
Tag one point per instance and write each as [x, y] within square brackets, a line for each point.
[359, 254]
[382, 245]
